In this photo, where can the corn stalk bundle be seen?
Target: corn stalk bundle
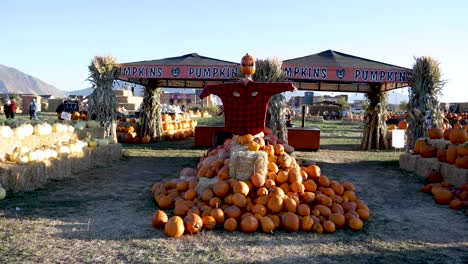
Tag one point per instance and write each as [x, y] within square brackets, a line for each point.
[426, 84]
[269, 70]
[151, 114]
[102, 102]
[375, 129]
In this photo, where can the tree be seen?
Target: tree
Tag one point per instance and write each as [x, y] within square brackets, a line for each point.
[403, 106]
[269, 70]
[342, 101]
[102, 102]
[426, 84]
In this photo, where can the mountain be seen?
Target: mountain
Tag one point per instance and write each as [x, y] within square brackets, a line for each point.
[13, 81]
[82, 92]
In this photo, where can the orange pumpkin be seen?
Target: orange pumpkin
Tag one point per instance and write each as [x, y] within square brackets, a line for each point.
[403, 124]
[447, 134]
[442, 155]
[267, 224]
[221, 188]
[458, 136]
[355, 224]
[159, 219]
[329, 226]
[452, 154]
[428, 151]
[241, 187]
[208, 222]
[249, 224]
[230, 225]
[313, 171]
[435, 133]
[258, 180]
[443, 196]
[462, 150]
[419, 144]
[193, 223]
[290, 222]
[248, 64]
[434, 176]
[174, 227]
[462, 162]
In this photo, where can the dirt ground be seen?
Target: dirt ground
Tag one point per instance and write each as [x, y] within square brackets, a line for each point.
[104, 216]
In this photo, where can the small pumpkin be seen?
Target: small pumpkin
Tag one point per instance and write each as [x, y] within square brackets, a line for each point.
[247, 64]
[355, 224]
[434, 176]
[146, 140]
[290, 222]
[403, 125]
[462, 162]
[208, 222]
[230, 225]
[221, 188]
[329, 226]
[249, 224]
[443, 196]
[442, 155]
[174, 227]
[428, 151]
[159, 219]
[435, 133]
[193, 223]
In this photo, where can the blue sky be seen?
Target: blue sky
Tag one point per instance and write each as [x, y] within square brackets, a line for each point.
[56, 40]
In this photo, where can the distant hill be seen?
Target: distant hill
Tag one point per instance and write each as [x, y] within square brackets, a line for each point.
[82, 92]
[13, 81]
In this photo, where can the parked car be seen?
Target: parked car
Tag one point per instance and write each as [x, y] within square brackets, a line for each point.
[357, 111]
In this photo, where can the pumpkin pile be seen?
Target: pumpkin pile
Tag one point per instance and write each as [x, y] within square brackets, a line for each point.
[177, 127]
[287, 196]
[445, 193]
[455, 153]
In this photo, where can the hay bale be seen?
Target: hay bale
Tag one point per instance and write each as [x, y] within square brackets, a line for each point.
[204, 183]
[404, 161]
[454, 175]
[245, 163]
[438, 143]
[35, 141]
[16, 178]
[95, 132]
[412, 161]
[426, 165]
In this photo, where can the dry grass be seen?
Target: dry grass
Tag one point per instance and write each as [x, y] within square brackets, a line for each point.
[104, 216]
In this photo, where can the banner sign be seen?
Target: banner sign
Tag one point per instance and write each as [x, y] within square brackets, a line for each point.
[71, 106]
[359, 75]
[398, 138]
[65, 116]
[180, 71]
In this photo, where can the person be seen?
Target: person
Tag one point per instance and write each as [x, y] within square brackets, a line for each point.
[13, 108]
[32, 110]
[6, 108]
[60, 109]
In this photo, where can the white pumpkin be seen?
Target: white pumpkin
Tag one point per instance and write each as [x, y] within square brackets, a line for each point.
[70, 129]
[53, 154]
[40, 155]
[32, 155]
[63, 150]
[6, 132]
[22, 150]
[13, 156]
[125, 153]
[22, 159]
[47, 153]
[2, 193]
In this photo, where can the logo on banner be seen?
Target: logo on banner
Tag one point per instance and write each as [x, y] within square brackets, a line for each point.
[175, 71]
[340, 74]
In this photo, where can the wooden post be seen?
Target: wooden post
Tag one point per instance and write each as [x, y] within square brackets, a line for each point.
[303, 114]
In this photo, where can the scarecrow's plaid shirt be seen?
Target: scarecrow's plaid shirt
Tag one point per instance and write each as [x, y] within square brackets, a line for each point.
[245, 105]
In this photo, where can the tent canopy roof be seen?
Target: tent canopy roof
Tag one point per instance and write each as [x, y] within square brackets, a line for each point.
[331, 58]
[192, 59]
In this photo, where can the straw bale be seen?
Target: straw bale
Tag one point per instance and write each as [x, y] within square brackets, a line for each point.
[96, 132]
[204, 183]
[454, 175]
[412, 161]
[245, 163]
[426, 165]
[438, 143]
[14, 177]
[404, 161]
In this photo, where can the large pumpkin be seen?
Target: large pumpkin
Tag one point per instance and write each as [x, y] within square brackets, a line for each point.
[419, 144]
[428, 152]
[248, 64]
[451, 154]
[290, 222]
[174, 227]
[443, 196]
[249, 224]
